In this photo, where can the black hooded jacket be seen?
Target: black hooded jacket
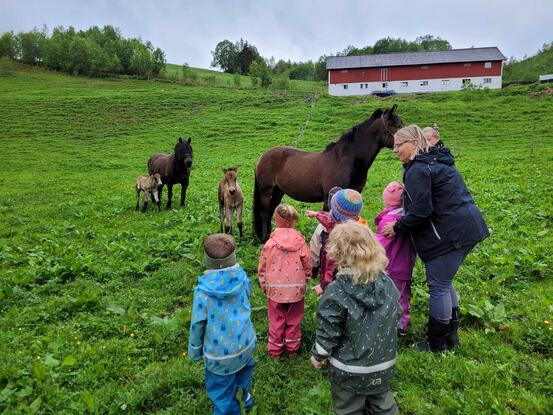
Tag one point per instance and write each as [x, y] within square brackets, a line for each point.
[440, 214]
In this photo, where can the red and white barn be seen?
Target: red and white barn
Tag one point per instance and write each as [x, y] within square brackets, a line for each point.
[415, 72]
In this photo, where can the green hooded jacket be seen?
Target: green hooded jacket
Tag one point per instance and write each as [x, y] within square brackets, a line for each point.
[357, 333]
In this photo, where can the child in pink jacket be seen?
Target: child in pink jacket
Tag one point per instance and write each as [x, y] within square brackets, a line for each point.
[284, 267]
[345, 205]
[399, 249]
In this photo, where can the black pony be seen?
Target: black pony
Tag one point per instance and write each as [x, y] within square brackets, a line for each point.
[308, 177]
[174, 169]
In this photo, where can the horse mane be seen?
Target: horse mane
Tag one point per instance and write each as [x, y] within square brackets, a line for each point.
[349, 136]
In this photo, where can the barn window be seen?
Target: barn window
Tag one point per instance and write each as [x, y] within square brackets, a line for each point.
[487, 65]
[345, 86]
[424, 83]
[467, 64]
[424, 67]
[361, 86]
[487, 80]
[445, 81]
[466, 81]
[404, 84]
[384, 84]
[344, 71]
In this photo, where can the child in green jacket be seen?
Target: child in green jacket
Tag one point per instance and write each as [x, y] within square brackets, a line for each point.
[358, 316]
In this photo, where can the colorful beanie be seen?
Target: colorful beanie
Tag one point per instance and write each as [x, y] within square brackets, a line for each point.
[345, 205]
[392, 194]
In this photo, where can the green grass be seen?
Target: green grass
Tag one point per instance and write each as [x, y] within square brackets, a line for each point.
[95, 298]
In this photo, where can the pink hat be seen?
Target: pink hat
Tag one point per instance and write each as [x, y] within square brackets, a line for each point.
[392, 194]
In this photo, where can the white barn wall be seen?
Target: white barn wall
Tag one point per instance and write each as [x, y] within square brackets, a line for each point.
[414, 86]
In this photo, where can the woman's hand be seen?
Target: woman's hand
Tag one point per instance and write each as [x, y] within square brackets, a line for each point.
[310, 213]
[388, 229]
[316, 364]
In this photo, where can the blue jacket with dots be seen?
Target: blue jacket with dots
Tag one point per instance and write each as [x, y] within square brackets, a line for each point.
[221, 330]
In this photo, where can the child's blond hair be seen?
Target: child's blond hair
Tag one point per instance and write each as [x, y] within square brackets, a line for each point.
[354, 247]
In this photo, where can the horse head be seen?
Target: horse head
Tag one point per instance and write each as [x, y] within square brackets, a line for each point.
[230, 179]
[183, 152]
[390, 122]
[157, 179]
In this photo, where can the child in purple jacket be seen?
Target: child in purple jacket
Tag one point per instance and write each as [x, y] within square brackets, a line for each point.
[399, 249]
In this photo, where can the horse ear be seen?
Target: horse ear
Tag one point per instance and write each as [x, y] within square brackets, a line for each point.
[394, 109]
[236, 168]
[224, 170]
[180, 139]
[189, 140]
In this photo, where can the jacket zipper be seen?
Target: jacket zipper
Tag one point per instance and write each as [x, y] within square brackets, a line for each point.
[434, 229]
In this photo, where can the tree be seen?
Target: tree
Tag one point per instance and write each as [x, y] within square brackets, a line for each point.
[247, 54]
[429, 42]
[320, 72]
[32, 46]
[254, 73]
[225, 56]
[8, 45]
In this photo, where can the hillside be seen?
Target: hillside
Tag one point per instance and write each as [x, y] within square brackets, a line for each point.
[528, 70]
[95, 298]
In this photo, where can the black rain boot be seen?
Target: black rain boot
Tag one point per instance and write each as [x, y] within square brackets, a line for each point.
[453, 336]
[437, 337]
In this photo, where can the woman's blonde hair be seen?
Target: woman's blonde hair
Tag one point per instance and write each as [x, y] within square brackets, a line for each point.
[355, 248]
[287, 212]
[410, 133]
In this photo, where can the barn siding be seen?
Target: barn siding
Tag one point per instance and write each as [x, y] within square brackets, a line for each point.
[406, 73]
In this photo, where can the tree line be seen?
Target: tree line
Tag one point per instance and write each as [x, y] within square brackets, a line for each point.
[239, 57]
[95, 51]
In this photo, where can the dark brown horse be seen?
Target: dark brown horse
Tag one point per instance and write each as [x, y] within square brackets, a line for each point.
[309, 176]
[174, 169]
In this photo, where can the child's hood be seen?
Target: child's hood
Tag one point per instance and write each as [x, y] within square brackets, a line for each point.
[222, 283]
[393, 213]
[288, 239]
[370, 296]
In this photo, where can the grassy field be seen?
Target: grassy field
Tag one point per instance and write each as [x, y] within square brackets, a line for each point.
[95, 298]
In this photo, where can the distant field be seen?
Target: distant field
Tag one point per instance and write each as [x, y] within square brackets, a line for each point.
[221, 79]
[95, 298]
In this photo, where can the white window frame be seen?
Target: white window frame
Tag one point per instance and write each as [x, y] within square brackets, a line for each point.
[487, 81]
[466, 81]
[384, 84]
[345, 86]
[404, 84]
[487, 65]
[445, 81]
[467, 64]
[424, 83]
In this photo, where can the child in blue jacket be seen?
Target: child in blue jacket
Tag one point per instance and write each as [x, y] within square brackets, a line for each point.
[221, 330]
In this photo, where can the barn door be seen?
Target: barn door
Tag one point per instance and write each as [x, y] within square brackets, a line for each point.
[384, 77]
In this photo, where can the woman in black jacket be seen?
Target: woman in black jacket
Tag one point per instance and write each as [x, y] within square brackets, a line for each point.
[444, 224]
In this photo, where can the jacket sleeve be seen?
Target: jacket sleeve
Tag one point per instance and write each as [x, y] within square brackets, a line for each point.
[418, 187]
[262, 268]
[315, 245]
[331, 315]
[384, 240]
[324, 219]
[306, 262]
[197, 326]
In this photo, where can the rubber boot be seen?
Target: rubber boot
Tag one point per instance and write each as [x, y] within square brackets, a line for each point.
[453, 336]
[437, 337]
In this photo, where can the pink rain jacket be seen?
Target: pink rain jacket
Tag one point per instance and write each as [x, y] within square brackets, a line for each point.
[285, 266]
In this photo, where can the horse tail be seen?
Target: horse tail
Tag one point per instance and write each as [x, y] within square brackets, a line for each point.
[257, 224]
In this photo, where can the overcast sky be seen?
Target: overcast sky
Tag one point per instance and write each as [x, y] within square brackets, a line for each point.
[294, 29]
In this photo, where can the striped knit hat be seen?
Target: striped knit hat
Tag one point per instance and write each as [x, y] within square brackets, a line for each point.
[345, 205]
